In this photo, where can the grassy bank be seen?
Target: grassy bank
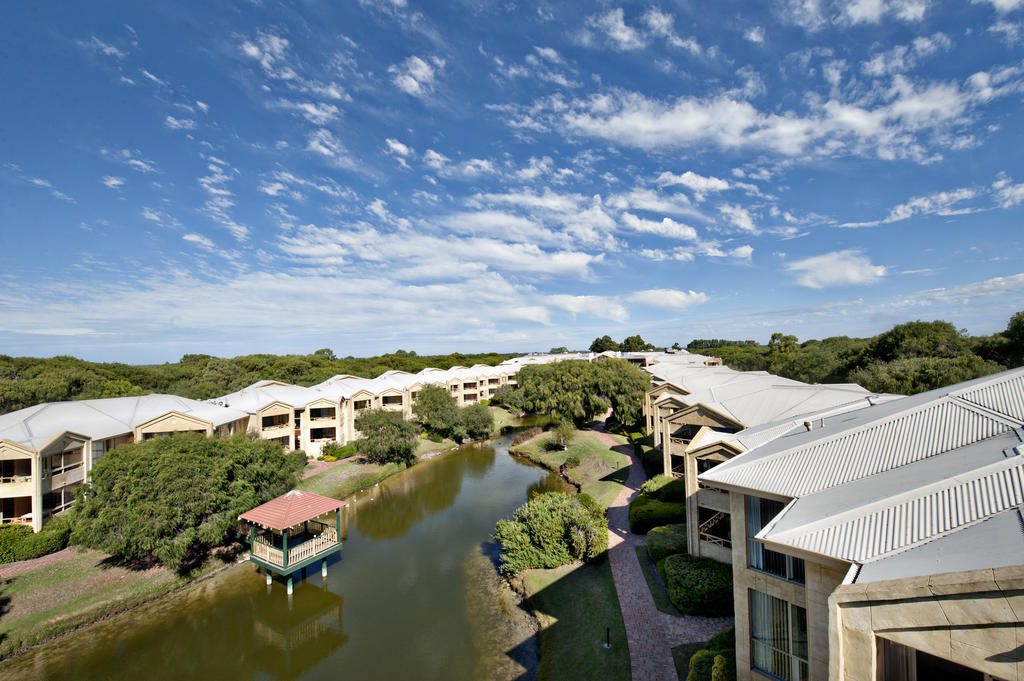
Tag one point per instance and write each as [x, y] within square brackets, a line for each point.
[601, 471]
[52, 599]
[573, 604]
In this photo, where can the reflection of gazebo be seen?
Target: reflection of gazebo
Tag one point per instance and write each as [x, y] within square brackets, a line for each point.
[292, 638]
[285, 535]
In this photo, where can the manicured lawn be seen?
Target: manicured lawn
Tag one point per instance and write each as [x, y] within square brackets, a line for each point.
[574, 604]
[347, 478]
[655, 583]
[601, 472]
[54, 598]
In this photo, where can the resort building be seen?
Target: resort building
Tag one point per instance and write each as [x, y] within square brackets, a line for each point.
[46, 451]
[885, 541]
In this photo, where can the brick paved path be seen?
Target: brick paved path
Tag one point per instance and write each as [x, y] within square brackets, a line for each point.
[650, 633]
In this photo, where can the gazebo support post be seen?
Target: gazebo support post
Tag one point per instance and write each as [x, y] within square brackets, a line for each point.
[323, 568]
[270, 578]
[290, 586]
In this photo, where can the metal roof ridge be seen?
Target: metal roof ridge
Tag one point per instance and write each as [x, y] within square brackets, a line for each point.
[951, 482]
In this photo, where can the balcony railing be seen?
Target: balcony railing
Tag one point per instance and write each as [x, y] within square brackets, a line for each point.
[704, 530]
[15, 478]
[270, 554]
[25, 519]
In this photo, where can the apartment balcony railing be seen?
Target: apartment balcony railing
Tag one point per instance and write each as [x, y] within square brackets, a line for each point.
[705, 528]
[15, 478]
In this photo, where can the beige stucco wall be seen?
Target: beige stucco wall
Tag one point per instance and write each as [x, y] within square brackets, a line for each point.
[973, 618]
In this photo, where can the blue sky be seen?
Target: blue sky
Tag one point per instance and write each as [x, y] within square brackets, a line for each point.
[278, 177]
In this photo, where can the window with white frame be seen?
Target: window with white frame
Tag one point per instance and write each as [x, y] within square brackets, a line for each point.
[759, 513]
[778, 637]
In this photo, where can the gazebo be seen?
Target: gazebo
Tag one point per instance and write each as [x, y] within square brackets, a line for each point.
[285, 535]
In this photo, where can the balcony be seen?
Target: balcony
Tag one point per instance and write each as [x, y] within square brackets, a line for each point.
[316, 539]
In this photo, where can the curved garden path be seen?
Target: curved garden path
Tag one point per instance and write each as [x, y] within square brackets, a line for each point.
[650, 633]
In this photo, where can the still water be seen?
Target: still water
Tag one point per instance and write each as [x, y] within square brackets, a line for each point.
[407, 600]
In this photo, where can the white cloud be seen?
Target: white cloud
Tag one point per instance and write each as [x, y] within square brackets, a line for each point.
[132, 158]
[106, 49]
[113, 182]
[203, 106]
[1012, 33]
[499, 225]
[669, 299]
[699, 184]
[939, 203]
[1007, 193]
[416, 76]
[179, 123]
[903, 58]
[199, 240]
[1002, 6]
[839, 268]
[325, 144]
[317, 113]
[755, 35]
[667, 228]
[738, 216]
[150, 77]
[742, 252]
[613, 26]
[595, 306]
[680, 254]
[271, 51]
[218, 206]
[398, 148]
[38, 182]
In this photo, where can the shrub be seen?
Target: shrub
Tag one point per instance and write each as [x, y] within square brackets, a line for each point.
[524, 435]
[18, 542]
[434, 437]
[650, 458]
[553, 445]
[699, 586]
[477, 420]
[716, 661]
[665, 488]
[646, 512]
[329, 458]
[665, 541]
[549, 530]
[571, 462]
[338, 451]
[484, 403]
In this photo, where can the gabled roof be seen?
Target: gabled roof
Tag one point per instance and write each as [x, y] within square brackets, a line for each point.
[895, 486]
[100, 419]
[291, 509]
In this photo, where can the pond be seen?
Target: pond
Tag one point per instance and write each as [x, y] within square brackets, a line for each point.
[414, 596]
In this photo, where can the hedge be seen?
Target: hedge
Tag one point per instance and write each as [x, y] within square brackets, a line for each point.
[665, 541]
[646, 512]
[665, 488]
[698, 586]
[716, 661]
[18, 542]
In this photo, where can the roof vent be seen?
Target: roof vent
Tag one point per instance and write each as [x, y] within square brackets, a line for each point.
[809, 425]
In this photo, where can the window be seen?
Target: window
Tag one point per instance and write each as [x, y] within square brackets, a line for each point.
[321, 434]
[362, 404]
[759, 513]
[321, 413]
[274, 421]
[778, 637]
[391, 400]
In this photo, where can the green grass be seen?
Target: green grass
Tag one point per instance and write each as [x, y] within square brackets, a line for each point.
[502, 417]
[681, 655]
[573, 605]
[347, 478]
[424, 445]
[55, 598]
[655, 583]
[601, 472]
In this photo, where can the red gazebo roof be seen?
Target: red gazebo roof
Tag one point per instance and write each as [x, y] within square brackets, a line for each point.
[291, 509]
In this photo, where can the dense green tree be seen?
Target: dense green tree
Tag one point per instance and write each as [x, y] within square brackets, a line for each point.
[560, 350]
[579, 391]
[603, 344]
[1014, 335]
[386, 436]
[635, 344]
[476, 420]
[781, 343]
[436, 409]
[172, 498]
[549, 530]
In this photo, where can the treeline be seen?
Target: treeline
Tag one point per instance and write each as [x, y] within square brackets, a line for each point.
[909, 358]
[705, 343]
[25, 381]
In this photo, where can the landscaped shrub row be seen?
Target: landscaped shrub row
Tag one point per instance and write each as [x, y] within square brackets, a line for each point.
[551, 529]
[666, 541]
[716, 661]
[332, 451]
[524, 435]
[665, 488]
[20, 543]
[698, 586]
[646, 512]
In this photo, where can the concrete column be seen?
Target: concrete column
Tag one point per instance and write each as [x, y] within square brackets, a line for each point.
[37, 492]
[291, 587]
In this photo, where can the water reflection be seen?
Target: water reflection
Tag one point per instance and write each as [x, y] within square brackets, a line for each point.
[414, 578]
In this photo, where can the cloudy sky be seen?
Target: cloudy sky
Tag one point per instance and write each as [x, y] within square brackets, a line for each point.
[278, 177]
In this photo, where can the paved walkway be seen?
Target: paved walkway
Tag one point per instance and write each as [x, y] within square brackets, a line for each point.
[650, 633]
[11, 569]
